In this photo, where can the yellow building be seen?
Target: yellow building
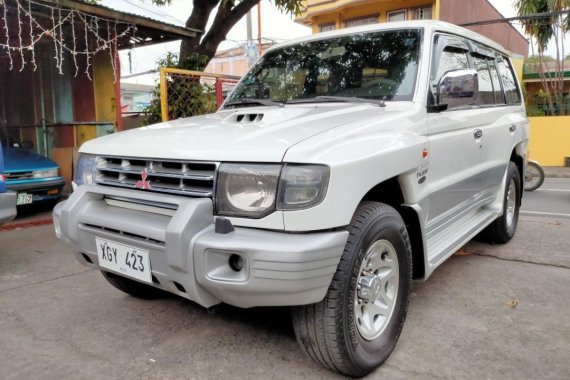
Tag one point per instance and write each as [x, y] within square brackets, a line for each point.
[325, 15]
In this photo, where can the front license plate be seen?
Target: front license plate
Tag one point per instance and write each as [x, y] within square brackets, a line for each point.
[124, 259]
[24, 199]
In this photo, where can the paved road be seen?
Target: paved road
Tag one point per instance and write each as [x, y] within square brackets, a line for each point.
[551, 199]
[59, 319]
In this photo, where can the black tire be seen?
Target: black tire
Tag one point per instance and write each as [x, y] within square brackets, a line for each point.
[534, 176]
[132, 287]
[502, 229]
[327, 331]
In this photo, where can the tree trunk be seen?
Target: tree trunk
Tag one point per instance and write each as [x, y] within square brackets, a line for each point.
[196, 53]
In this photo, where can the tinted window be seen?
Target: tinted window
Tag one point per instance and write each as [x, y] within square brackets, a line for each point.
[486, 94]
[510, 85]
[499, 98]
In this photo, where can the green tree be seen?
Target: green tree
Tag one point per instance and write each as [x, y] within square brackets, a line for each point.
[227, 14]
[542, 30]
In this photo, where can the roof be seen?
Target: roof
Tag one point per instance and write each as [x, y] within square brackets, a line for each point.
[428, 25]
[143, 9]
[133, 12]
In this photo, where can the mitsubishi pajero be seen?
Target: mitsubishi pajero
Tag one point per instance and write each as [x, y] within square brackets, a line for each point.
[342, 167]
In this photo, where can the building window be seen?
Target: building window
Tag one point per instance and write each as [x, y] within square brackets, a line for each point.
[368, 20]
[422, 13]
[327, 27]
[399, 15]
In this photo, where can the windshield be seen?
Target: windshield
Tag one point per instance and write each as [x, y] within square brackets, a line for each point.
[379, 65]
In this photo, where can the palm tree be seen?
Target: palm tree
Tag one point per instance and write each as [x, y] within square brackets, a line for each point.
[542, 30]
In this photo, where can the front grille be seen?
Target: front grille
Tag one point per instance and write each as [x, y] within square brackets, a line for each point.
[14, 176]
[190, 178]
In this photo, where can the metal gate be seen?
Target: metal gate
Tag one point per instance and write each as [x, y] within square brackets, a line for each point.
[185, 93]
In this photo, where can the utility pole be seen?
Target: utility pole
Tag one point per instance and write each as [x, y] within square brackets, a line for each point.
[249, 27]
[259, 26]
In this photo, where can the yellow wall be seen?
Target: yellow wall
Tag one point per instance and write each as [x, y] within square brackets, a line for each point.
[104, 87]
[549, 139]
[518, 63]
[325, 12]
[105, 98]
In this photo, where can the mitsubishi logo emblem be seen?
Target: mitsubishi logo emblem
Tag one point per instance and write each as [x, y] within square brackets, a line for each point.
[143, 183]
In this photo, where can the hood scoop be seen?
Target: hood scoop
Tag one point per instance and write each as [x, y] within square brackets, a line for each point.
[247, 117]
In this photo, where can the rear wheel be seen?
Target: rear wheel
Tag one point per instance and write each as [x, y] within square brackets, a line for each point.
[503, 228]
[356, 327]
[133, 288]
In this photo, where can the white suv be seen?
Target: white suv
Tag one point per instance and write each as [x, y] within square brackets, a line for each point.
[343, 166]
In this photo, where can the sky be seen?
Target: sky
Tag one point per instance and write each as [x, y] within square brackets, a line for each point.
[274, 25]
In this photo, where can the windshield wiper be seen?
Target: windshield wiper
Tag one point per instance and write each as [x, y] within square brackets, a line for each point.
[263, 102]
[347, 99]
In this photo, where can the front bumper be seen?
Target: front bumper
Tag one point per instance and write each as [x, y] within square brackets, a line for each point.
[7, 206]
[280, 268]
[41, 189]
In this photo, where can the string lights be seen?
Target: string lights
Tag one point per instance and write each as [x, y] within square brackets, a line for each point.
[63, 21]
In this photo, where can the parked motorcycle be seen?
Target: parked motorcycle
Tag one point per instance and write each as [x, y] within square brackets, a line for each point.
[534, 176]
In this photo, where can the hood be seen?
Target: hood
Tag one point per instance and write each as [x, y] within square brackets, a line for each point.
[22, 160]
[261, 134]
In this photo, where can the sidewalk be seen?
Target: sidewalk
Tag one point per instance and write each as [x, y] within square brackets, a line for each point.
[556, 171]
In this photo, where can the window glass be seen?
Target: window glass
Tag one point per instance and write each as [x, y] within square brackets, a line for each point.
[451, 59]
[361, 21]
[423, 13]
[397, 16]
[326, 27]
[499, 98]
[376, 65]
[486, 95]
[512, 92]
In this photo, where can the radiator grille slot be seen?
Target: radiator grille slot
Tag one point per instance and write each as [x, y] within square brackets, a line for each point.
[124, 233]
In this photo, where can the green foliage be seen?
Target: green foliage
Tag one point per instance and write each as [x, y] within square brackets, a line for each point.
[194, 61]
[292, 7]
[543, 29]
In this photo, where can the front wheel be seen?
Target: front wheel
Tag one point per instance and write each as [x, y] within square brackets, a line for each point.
[356, 327]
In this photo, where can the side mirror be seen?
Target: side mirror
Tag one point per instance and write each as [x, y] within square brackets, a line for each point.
[457, 89]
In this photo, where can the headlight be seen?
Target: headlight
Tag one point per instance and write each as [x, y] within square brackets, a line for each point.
[85, 169]
[45, 173]
[302, 186]
[250, 190]
[247, 190]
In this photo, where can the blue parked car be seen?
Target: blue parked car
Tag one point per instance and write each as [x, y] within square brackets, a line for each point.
[34, 177]
[7, 198]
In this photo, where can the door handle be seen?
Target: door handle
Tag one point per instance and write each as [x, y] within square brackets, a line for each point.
[478, 134]
[513, 127]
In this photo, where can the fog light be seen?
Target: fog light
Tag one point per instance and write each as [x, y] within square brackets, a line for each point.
[236, 262]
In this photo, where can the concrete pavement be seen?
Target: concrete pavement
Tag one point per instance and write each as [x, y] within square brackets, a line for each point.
[59, 319]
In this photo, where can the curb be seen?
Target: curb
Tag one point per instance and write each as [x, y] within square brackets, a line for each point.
[556, 171]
